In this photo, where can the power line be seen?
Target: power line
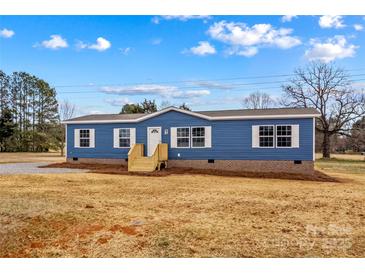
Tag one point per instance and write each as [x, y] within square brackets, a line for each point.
[192, 81]
[192, 88]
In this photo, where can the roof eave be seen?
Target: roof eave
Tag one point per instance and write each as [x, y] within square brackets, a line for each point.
[209, 118]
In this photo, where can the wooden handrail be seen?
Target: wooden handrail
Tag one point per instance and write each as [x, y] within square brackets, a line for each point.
[135, 152]
[155, 157]
[160, 154]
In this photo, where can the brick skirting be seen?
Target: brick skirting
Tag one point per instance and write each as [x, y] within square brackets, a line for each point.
[306, 167]
[122, 162]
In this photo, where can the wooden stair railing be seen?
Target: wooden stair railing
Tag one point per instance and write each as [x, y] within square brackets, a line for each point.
[137, 162]
[135, 152]
[160, 156]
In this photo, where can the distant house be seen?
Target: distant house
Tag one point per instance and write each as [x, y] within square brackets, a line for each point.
[264, 140]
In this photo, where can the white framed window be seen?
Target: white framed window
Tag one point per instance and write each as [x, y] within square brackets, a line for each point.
[183, 137]
[84, 138]
[283, 136]
[198, 137]
[124, 137]
[266, 136]
[191, 137]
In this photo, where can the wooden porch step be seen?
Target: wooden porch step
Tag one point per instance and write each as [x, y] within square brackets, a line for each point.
[138, 162]
[143, 164]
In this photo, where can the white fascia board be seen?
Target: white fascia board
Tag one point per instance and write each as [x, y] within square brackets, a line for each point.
[209, 118]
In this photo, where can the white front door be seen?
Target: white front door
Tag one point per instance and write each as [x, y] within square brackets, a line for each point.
[153, 139]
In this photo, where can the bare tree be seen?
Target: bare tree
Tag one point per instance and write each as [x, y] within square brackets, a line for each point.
[66, 111]
[258, 100]
[328, 89]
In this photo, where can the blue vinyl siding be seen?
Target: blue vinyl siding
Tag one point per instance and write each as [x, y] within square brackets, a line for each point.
[231, 140]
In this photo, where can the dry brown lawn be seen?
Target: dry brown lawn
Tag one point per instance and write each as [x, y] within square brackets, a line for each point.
[100, 215]
[356, 157]
[30, 157]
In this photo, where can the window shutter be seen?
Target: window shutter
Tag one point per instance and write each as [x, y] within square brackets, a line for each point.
[116, 137]
[132, 136]
[76, 138]
[173, 139]
[208, 136]
[295, 136]
[92, 138]
[255, 136]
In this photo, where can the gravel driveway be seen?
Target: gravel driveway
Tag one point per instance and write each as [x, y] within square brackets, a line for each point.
[33, 168]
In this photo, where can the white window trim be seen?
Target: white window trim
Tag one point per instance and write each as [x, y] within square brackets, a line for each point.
[116, 139]
[124, 137]
[191, 137]
[90, 129]
[276, 135]
[184, 137]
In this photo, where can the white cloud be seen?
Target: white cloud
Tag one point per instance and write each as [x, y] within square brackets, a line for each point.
[117, 102]
[101, 44]
[245, 40]
[358, 27]
[125, 51]
[184, 18]
[194, 93]
[6, 33]
[212, 85]
[56, 42]
[334, 48]
[204, 48]
[331, 21]
[81, 45]
[246, 51]
[152, 89]
[288, 18]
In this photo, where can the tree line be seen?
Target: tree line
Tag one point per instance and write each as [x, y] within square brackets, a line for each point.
[29, 119]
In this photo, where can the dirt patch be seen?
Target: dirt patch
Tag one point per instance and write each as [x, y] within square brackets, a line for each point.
[37, 245]
[104, 240]
[129, 230]
[122, 170]
[85, 230]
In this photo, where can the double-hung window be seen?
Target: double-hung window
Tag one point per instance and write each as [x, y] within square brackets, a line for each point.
[84, 137]
[124, 137]
[266, 136]
[183, 137]
[198, 137]
[284, 136]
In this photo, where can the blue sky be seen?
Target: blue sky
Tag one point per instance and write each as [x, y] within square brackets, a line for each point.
[100, 62]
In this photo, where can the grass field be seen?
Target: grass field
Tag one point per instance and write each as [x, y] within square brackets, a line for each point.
[30, 157]
[356, 157]
[98, 215]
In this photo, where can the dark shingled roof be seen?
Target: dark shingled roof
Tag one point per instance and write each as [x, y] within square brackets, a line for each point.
[213, 113]
[99, 117]
[259, 112]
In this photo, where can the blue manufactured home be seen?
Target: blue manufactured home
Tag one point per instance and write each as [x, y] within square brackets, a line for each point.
[271, 140]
